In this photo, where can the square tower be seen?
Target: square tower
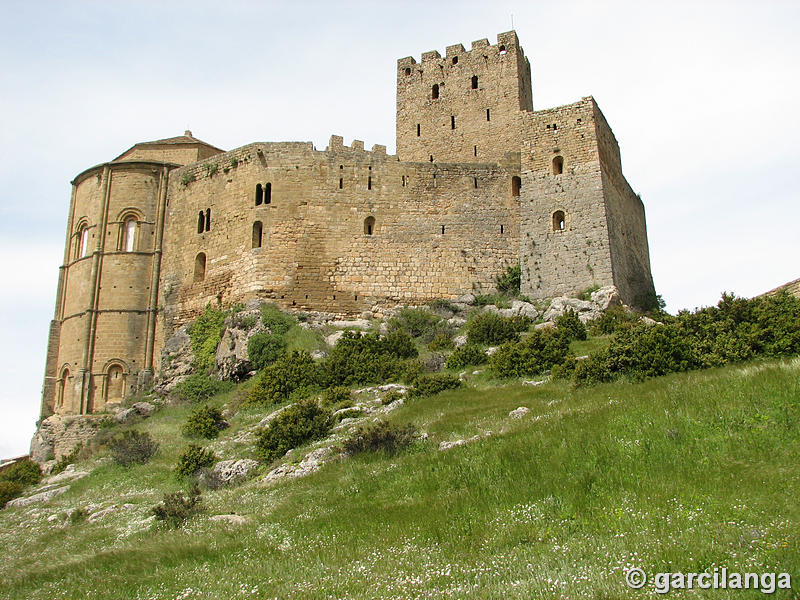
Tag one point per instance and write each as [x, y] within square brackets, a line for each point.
[465, 107]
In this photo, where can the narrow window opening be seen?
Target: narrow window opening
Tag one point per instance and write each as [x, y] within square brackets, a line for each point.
[558, 165]
[502, 49]
[306, 296]
[417, 129]
[334, 296]
[452, 122]
[442, 229]
[408, 71]
[474, 82]
[369, 225]
[341, 183]
[501, 230]
[130, 234]
[455, 60]
[268, 193]
[369, 183]
[259, 194]
[341, 167]
[488, 115]
[579, 121]
[559, 221]
[201, 222]
[258, 234]
[200, 267]
[403, 179]
[355, 298]
[475, 182]
[208, 219]
[435, 91]
[431, 159]
[84, 242]
[475, 150]
[516, 185]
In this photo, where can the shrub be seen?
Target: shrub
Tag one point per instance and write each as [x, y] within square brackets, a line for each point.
[414, 321]
[442, 341]
[264, 349]
[380, 437]
[299, 423]
[443, 308]
[205, 334]
[368, 358]
[488, 328]
[204, 422]
[434, 362]
[24, 472]
[428, 385]
[564, 369]
[193, 458]
[539, 351]
[276, 321]
[132, 447]
[337, 396]
[571, 325]
[177, 508]
[391, 396]
[499, 300]
[277, 382]
[399, 344]
[199, 387]
[613, 319]
[8, 491]
[466, 356]
[509, 282]
[79, 515]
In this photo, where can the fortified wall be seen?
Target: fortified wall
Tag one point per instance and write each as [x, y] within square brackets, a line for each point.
[480, 182]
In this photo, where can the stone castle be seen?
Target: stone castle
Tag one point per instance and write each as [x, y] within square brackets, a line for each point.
[480, 182]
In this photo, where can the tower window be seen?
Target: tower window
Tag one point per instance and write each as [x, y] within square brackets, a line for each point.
[417, 129]
[129, 231]
[258, 231]
[268, 193]
[369, 225]
[488, 115]
[516, 185]
[455, 60]
[369, 183]
[82, 242]
[208, 219]
[259, 194]
[474, 82]
[559, 221]
[431, 159]
[502, 49]
[200, 267]
[475, 182]
[502, 230]
[452, 122]
[475, 150]
[558, 165]
[408, 71]
[442, 229]
[403, 180]
[341, 183]
[201, 222]
[435, 91]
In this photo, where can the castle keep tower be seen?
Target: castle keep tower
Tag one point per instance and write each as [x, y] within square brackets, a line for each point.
[102, 335]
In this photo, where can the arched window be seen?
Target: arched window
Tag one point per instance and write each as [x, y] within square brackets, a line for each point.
[558, 165]
[502, 49]
[82, 241]
[129, 234]
[201, 222]
[200, 267]
[516, 186]
[369, 225]
[115, 384]
[258, 230]
[64, 398]
[259, 194]
[474, 82]
[208, 219]
[268, 193]
[435, 91]
[559, 221]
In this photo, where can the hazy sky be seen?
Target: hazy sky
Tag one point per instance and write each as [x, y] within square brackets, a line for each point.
[702, 97]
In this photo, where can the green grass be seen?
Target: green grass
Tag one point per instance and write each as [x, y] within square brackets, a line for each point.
[679, 473]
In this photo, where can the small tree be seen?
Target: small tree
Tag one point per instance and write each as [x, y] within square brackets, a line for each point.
[132, 447]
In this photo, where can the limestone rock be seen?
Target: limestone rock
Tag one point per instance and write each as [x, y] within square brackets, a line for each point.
[460, 340]
[526, 309]
[456, 443]
[456, 321]
[176, 361]
[333, 338]
[354, 324]
[96, 516]
[40, 497]
[313, 461]
[124, 415]
[68, 474]
[318, 354]
[468, 299]
[232, 361]
[58, 435]
[649, 322]
[520, 412]
[606, 297]
[144, 409]
[545, 325]
[560, 304]
[228, 472]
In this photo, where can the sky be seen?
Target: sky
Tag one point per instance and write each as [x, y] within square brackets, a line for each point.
[701, 96]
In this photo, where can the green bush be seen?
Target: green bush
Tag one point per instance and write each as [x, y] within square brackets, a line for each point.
[489, 328]
[509, 282]
[199, 387]
[564, 369]
[443, 308]
[204, 422]
[612, 320]
[391, 396]
[264, 349]
[302, 422]
[368, 358]
[177, 508]
[464, 356]
[538, 352]
[132, 447]
[414, 321]
[428, 385]
[380, 437]
[277, 382]
[24, 472]
[337, 397]
[8, 491]
[193, 458]
[205, 334]
[571, 325]
[442, 341]
[276, 321]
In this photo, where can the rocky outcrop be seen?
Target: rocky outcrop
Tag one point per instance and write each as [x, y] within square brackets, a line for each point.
[58, 435]
[587, 310]
[176, 361]
[230, 472]
[40, 497]
[139, 409]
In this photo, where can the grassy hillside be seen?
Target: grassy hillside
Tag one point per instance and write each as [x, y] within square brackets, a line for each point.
[679, 473]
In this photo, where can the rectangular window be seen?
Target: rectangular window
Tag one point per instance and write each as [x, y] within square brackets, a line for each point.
[452, 122]
[488, 115]
[417, 129]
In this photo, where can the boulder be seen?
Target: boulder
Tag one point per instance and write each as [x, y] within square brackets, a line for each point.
[456, 443]
[520, 412]
[526, 309]
[40, 497]
[333, 338]
[354, 324]
[144, 409]
[124, 415]
[176, 361]
[606, 297]
[228, 472]
[232, 360]
[456, 321]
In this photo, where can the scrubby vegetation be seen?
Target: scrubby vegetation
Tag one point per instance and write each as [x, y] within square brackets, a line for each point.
[263, 349]
[205, 333]
[380, 436]
[199, 387]
[468, 355]
[178, 507]
[509, 282]
[132, 447]
[369, 358]
[490, 329]
[300, 423]
[571, 325]
[275, 320]
[538, 352]
[292, 372]
[24, 472]
[193, 459]
[204, 422]
[428, 385]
